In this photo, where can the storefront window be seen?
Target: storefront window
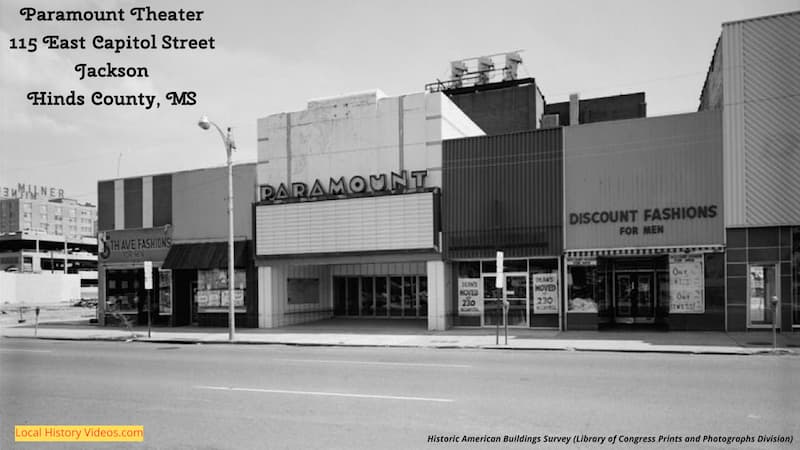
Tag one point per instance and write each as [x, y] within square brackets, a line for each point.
[302, 290]
[582, 289]
[165, 292]
[123, 291]
[381, 296]
[531, 290]
[212, 291]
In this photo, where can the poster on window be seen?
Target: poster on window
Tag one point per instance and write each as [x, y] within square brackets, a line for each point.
[238, 300]
[470, 300]
[165, 292]
[545, 293]
[686, 284]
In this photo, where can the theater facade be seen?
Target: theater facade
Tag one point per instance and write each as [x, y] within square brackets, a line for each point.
[347, 223]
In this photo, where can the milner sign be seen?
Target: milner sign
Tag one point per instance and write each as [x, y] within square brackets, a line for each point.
[392, 182]
[30, 191]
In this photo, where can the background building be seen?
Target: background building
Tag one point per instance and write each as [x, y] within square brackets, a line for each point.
[56, 217]
[752, 79]
[48, 246]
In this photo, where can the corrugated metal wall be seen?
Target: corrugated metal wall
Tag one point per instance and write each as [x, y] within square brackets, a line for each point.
[761, 121]
[503, 192]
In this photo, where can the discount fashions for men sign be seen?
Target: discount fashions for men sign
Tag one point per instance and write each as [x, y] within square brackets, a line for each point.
[686, 284]
[545, 293]
[470, 300]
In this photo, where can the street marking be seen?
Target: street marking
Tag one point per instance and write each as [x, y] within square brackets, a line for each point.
[327, 394]
[24, 350]
[374, 363]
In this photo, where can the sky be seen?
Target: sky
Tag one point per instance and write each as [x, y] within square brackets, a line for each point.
[272, 57]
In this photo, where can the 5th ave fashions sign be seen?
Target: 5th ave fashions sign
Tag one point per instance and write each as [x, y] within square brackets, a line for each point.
[145, 244]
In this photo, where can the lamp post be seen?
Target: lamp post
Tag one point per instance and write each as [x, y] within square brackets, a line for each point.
[227, 139]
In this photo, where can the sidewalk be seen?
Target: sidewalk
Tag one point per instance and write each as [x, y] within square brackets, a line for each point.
[413, 334]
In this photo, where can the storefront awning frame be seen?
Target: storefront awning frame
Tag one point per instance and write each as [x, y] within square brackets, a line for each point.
[642, 251]
[207, 255]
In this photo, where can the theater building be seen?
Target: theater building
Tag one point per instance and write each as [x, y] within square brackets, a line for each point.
[347, 223]
[643, 223]
[177, 222]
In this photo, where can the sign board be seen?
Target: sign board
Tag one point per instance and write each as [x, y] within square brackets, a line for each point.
[500, 280]
[144, 244]
[686, 284]
[545, 293]
[470, 299]
[148, 275]
[581, 261]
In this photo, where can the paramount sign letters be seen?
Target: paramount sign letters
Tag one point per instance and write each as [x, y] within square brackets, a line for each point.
[393, 182]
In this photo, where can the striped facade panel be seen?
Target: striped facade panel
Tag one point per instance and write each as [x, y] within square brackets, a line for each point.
[733, 124]
[162, 200]
[147, 202]
[133, 202]
[119, 204]
[105, 205]
[503, 192]
[771, 78]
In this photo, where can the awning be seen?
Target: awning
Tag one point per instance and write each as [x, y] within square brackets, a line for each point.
[643, 251]
[207, 255]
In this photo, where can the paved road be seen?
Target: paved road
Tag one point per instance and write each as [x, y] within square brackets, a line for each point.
[220, 396]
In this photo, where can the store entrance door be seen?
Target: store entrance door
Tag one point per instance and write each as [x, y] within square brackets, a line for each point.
[762, 288]
[633, 297]
[516, 292]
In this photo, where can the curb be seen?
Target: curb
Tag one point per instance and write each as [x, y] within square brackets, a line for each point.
[142, 339]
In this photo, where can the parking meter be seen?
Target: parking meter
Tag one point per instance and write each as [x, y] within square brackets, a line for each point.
[774, 304]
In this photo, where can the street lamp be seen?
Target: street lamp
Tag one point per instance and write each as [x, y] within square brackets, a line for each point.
[227, 139]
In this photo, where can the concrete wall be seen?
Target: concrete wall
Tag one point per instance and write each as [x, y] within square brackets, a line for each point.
[273, 308]
[194, 202]
[501, 109]
[440, 286]
[602, 109]
[39, 288]
[360, 134]
[711, 95]
[200, 203]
